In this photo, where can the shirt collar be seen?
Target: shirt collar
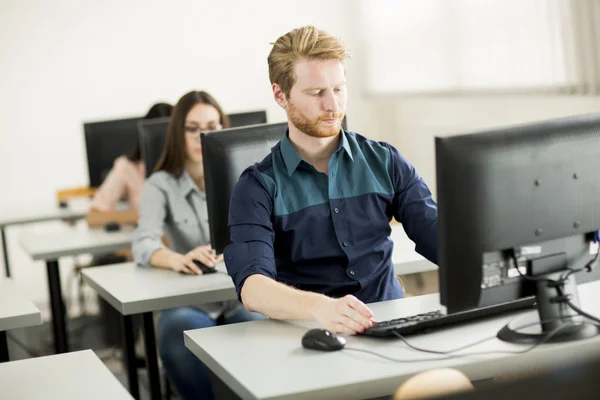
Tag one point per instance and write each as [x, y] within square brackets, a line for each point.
[292, 159]
[187, 184]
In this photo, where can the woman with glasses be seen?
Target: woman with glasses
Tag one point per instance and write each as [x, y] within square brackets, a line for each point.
[173, 203]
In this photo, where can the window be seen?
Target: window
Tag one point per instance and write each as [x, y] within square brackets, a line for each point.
[472, 46]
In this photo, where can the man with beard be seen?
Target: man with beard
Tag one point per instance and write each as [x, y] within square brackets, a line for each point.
[310, 223]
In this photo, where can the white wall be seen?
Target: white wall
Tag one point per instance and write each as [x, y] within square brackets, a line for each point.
[417, 121]
[66, 62]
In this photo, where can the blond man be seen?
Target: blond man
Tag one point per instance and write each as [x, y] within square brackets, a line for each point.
[310, 223]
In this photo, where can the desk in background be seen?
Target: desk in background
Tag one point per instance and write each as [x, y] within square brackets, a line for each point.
[16, 311]
[70, 242]
[78, 375]
[134, 290]
[287, 370]
[19, 217]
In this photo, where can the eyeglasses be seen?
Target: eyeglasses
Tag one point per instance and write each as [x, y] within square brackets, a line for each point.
[193, 131]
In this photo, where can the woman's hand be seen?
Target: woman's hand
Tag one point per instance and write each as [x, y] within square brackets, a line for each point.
[184, 264]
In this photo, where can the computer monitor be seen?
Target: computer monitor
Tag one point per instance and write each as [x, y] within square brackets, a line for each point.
[527, 195]
[226, 154]
[104, 142]
[247, 118]
[152, 136]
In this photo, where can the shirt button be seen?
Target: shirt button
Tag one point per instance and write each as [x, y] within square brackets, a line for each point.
[352, 273]
[336, 210]
[324, 179]
[345, 244]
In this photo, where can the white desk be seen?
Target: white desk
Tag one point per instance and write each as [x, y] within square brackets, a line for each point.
[135, 290]
[16, 311]
[70, 242]
[25, 216]
[78, 375]
[265, 360]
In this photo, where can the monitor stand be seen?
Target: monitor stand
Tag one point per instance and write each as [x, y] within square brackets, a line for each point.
[559, 323]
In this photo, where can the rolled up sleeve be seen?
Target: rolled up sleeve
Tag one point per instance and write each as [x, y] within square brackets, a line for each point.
[251, 249]
[147, 237]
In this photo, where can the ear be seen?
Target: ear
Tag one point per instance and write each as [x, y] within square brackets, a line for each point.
[279, 96]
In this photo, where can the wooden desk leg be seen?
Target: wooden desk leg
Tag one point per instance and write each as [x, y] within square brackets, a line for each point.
[5, 251]
[151, 356]
[3, 347]
[129, 357]
[57, 303]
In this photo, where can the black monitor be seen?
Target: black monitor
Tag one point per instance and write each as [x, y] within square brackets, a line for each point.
[226, 154]
[527, 195]
[104, 142]
[247, 118]
[152, 136]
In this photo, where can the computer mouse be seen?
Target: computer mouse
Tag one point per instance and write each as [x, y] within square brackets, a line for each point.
[322, 340]
[112, 226]
[204, 268]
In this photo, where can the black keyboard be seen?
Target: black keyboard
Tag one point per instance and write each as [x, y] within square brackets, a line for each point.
[436, 319]
[406, 325]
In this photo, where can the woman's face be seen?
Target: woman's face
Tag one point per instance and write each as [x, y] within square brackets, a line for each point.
[201, 118]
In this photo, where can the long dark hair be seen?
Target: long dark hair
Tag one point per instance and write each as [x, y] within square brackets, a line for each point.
[158, 110]
[173, 156]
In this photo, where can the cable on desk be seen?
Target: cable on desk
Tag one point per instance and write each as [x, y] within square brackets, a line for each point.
[448, 354]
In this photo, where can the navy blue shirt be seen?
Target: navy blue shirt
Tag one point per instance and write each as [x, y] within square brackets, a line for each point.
[329, 233]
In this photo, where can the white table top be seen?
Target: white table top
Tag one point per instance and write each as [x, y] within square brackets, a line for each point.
[25, 216]
[16, 311]
[69, 242]
[133, 290]
[265, 359]
[77, 375]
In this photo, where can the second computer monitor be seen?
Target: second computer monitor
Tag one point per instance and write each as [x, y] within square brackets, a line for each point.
[227, 154]
[152, 136]
[247, 118]
[104, 142]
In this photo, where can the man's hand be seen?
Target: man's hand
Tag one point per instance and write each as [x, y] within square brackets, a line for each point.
[345, 315]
